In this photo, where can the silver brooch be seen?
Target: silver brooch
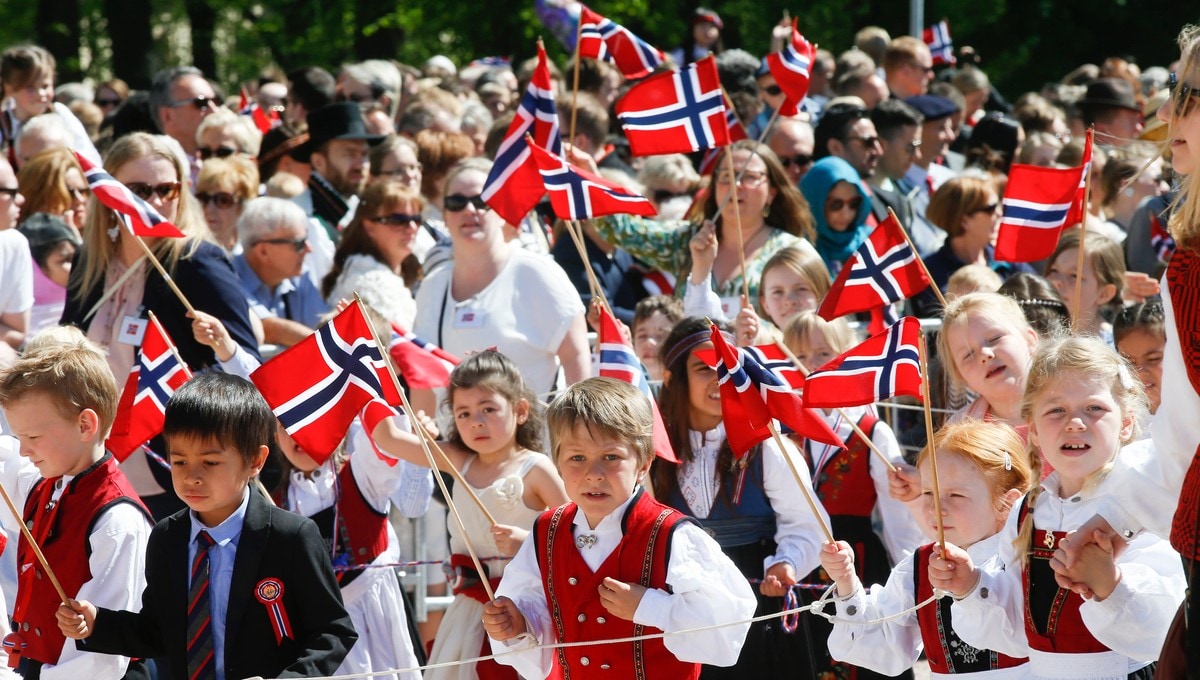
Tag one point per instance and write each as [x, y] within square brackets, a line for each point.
[585, 540]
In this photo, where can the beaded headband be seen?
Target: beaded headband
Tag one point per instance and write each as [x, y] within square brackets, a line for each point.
[689, 342]
[1041, 302]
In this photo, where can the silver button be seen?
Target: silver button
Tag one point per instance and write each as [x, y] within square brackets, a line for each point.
[983, 593]
[583, 661]
[37, 632]
[604, 667]
[852, 610]
[1128, 533]
[601, 619]
[25, 626]
[1075, 499]
[582, 618]
[573, 580]
[362, 551]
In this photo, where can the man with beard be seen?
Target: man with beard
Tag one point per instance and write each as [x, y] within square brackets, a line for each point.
[337, 149]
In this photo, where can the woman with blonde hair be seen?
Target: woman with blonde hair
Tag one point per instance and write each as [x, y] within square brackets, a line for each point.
[52, 182]
[223, 187]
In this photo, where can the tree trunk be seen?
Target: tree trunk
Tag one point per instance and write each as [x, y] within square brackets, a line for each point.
[58, 31]
[383, 43]
[132, 42]
[203, 20]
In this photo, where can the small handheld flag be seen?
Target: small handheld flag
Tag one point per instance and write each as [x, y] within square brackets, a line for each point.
[675, 111]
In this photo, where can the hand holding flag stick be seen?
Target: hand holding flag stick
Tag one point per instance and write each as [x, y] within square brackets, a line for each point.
[937, 496]
[162, 271]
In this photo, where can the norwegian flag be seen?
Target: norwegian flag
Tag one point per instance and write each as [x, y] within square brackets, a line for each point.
[424, 365]
[576, 194]
[262, 121]
[317, 386]
[941, 47]
[752, 396]
[601, 38]
[514, 185]
[883, 270]
[143, 220]
[1160, 239]
[1038, 203]
[152, 380]
[791, 69]
[737, 132]
[770, 357]
[618, 360]
[885, 365]
[676, 111]
[658, 282]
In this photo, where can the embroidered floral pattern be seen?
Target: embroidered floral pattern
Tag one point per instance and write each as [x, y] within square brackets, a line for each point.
[509, 490]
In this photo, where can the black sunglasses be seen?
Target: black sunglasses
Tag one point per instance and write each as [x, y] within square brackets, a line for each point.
[1181, 94]
[167, 191]
[837, 204]
[397, 220]
[200, 103]
[867, 141]
[221, 199]
[11, 191]
[773, 90]
[666, 194]
[458, 202]
[799, 160]
[989, 208]
[298, 243]
[79, 194]
[107, 102]
[206, 153]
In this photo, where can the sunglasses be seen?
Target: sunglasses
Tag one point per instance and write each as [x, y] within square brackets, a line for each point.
[221, 199]
[398, 220]
[915, 144]
[107, 102]
[200, 103]
[867, 141]
[458, 202]
[206, 153]
[989, 208]
[1181, 94]
[11, 191]
[773, 90]
[663, 195]
[837, 204]
[298, 243]
[79, 194]
[799, 160]
[167, 191]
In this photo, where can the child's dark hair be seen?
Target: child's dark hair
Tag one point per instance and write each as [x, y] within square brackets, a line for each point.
[1144, 316]
[1040, 302]
[222, 407]
[491, 370]
[668, 306]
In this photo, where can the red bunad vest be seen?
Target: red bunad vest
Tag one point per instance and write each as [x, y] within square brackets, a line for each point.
[1183, 282]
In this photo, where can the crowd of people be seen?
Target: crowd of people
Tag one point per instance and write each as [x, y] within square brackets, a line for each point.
[1063, 390]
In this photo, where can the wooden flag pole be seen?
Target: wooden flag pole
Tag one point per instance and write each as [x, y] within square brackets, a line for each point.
[737, 214]
[575, 87]
[1087, 187]
[808, 493]
[426, 440]
[37, 551]
[857, 430]
[917, 257]
[593, 282]
[163, 273]
[937, 496]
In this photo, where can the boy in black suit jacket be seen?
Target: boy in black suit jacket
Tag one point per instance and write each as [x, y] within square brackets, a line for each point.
[232, 584]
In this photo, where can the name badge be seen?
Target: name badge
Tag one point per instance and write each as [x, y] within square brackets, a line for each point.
[730, 306]
[132, 331]
[468, 318]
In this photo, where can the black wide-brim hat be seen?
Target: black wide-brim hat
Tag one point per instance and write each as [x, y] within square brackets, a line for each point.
[340, 120]
[1110, 93]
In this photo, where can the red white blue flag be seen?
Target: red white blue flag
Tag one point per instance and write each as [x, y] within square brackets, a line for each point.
[618, 360]
[791, 68]
[737, 132]
[941, 47]
[424, 365]
[144, 220]
[601, 38]
[152, 380]
[263, 121]
[1160, 239]
[885, 365]
[675, 111]
[1038, 204]
[577, 194]
[514, 185]
[317, 386]
[883, 270]
[770, 357]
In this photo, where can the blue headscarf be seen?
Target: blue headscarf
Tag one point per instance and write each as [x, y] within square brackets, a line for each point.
[835, 247]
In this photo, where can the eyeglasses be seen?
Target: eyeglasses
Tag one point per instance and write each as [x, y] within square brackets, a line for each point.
[356, 98]
[773, 90]
[398, 220]
[458, 202]
[799, 160]
[298, 243]
[221, 199]
[912, 146]
[867, 141]
[837, 204]
[402, 169]
[79, 194]
[1181, 94]
[167, 191]
[206, 153]
[200, 103]
[990, 208]
[107, 102]
[11, 191]
[663, 195]
[748, 179]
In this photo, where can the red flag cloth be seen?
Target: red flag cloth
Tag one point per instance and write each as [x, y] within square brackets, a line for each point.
[884, 365]
[752, 396]
[675, 111]
[601, 38]
[618, 360]
[577, 194]
[736, 134]
[1038, 203]
[262, 121]
[317, 386]
[143, 220]
[791, 68]
[883, 270]
[770, 357]
[941, 47]
[424, 365]
[152, 381]
[514, 185]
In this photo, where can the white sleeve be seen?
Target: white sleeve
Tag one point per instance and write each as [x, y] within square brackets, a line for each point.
[384, 478]
[702, 300]
[118, 566]
[18, 476]
[522, 583]
[706, 589]
[890, 647]
[81, 142]
[16, 268]
[1134, 619]
[901, 534]
[798, 533]
[993, 615]
[241, 364]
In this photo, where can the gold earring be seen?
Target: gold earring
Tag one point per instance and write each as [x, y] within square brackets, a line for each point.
[767, 210]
